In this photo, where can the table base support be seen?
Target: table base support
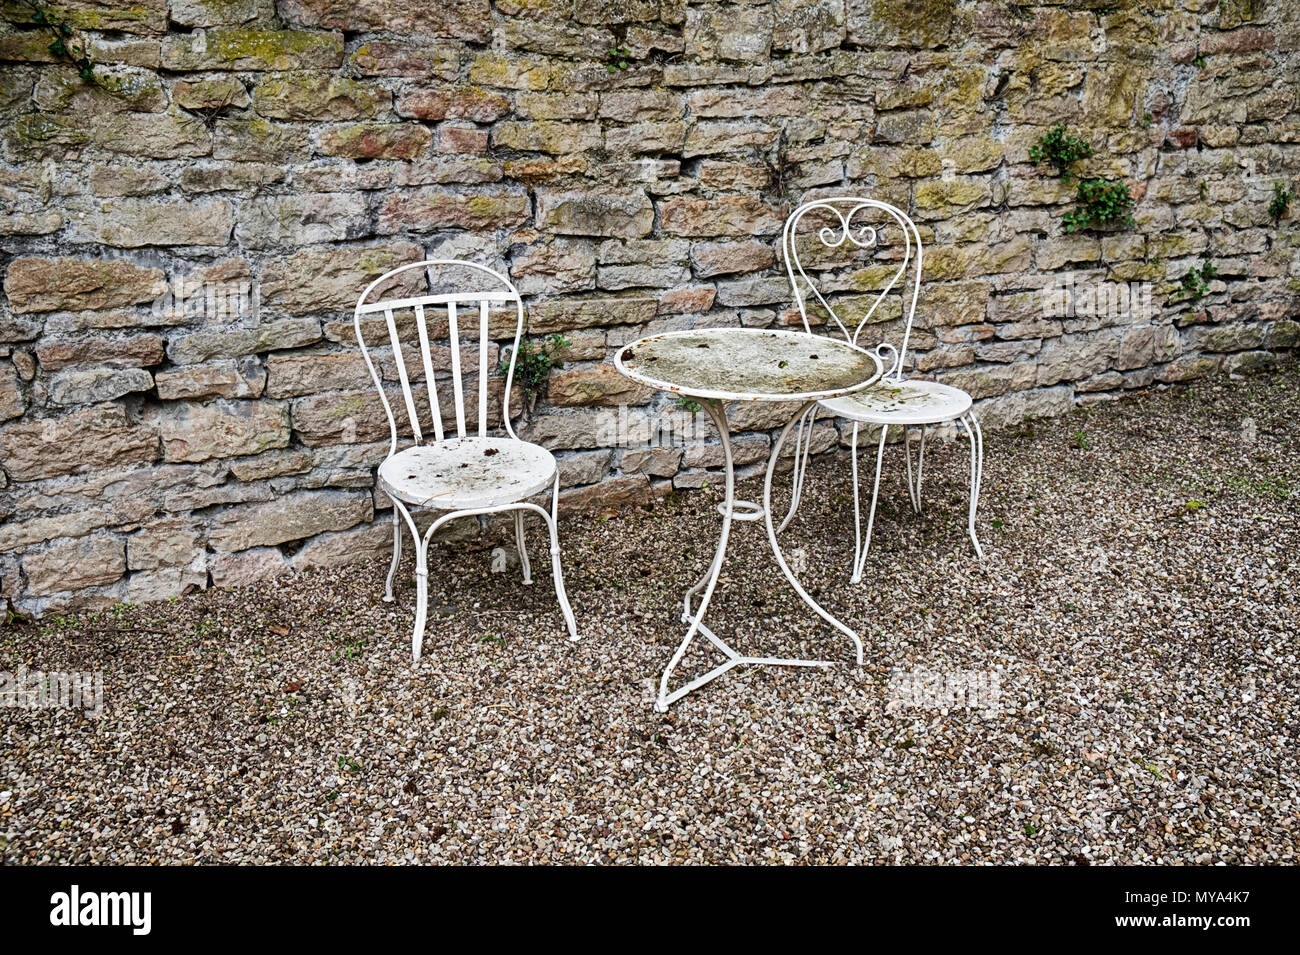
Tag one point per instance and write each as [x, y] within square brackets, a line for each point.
[736, 510]
[734, 659]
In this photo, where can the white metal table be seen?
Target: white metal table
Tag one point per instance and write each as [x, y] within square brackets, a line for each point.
[720, 365]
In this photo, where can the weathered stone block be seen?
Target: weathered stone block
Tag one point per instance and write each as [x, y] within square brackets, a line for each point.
[626, 213]
[377, 141]
[164, 583]
[278, 221]
[166, 542]
[1019, 405]
[427, 209]
[730, 258]
[359, 545]
[641, 105]
[115, 90]
[252, 48]
[455, 102]
[319, 96]
[349, 417]
[554, 36]
[12, 403]
[695, 299]
[736, 33]
[949, 197]
[544, 136]
[132, 223]
[408, 56]
[595, 385]
[99, 437]
[249, 567]
[212, 13]
[583, 467]
[984, 381]
[136, 351]
[291, 517]
[645, 138]
[612, 495]
[214, 93]
[464, 139]
[228, 177]
[220, 429]
[808, 26]
[220, 379]
[461, 19]
[729, 216]
[735, 103]
[562, 315]
[709, 138]
[745, 449]
[559, 266]
[275, 463]
[290, 376]
[35, 284]
[258, 140]
[656, 462]
[91, 386]
[75, 565]
[198, 347]
[616, 11]
[331, 278]
[923, 24]
[144, 17]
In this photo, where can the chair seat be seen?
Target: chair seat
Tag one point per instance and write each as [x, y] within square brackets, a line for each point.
[465, 473]
[901, 402]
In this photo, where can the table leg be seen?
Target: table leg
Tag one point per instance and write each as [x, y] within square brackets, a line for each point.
[709, 581]
[776, 547]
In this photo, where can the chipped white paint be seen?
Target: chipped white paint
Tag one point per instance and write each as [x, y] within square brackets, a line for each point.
[893, 400]
[467, 472]
[722, 365]
[748, 364]
[468, 475]
[902, 402]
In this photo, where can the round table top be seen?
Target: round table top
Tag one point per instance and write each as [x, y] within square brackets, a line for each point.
[749, 364]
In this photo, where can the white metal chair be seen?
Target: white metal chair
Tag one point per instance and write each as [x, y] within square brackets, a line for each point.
[466, 475]
[894, 400]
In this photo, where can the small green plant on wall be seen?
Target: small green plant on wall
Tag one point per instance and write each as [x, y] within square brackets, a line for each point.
[534, 364]
[1281, 203]
[618, 58]
[63, 44]
[1196, 282]
[1100, 203]
[1059, 148]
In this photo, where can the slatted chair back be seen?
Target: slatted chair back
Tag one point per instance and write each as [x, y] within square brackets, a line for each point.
[841, 213]
[467, 317]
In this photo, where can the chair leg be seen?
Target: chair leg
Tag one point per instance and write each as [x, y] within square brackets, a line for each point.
[421, 578]
[802, 447]
[397, 555]
[552, 524]
[421, 597]
[914, 483]
[976, 475]
[857, 507]
[860, 559]
[524, 566]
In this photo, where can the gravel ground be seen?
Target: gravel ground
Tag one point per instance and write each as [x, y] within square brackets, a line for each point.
[1130, 640]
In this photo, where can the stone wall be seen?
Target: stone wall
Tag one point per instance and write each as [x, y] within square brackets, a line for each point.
[183, 237]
